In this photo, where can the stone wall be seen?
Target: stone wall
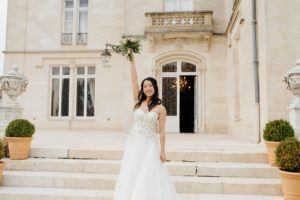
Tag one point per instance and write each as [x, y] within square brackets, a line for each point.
[279, 45]
[41, 34]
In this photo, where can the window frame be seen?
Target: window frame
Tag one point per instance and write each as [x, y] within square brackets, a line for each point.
[86, 76]
[60, 77]
[78, 22]
[63, 32]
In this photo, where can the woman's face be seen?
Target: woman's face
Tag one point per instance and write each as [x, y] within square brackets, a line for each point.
[148, 88]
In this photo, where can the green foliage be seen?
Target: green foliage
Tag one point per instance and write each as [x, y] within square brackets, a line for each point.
[288, 155]
[127, 43]
[19, 128]
[1, 150]
[6, 150]
[278, 130]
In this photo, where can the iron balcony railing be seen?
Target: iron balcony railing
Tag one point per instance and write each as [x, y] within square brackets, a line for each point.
[81, 38]
[66, 38]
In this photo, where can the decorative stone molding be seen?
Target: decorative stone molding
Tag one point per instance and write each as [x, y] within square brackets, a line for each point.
[179, 44]
[206, 41]
[174, 25]
[151, 43]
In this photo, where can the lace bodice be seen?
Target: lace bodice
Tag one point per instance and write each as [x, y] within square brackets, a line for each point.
[145, 124]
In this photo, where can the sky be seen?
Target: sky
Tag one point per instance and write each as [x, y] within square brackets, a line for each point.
[3, 14]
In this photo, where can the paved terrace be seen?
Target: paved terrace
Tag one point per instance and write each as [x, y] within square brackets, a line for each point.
[106, 140]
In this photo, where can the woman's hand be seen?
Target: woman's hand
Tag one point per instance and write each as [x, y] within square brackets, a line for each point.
[130, 54]
[163, 156]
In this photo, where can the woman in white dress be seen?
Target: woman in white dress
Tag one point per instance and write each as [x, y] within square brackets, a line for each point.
[143, 175]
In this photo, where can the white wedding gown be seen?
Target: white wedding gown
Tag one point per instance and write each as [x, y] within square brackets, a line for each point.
[143, 176]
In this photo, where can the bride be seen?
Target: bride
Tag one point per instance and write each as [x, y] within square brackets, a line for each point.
[143, 175]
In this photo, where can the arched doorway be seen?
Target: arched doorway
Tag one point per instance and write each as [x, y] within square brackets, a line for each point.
[181, 76]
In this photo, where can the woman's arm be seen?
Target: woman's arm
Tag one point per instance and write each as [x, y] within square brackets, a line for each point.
[162, 135]
[133, 74]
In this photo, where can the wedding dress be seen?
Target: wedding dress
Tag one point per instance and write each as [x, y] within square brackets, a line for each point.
[143, 176]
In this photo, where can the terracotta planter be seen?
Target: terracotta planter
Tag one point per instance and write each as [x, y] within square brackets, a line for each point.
[1, 171]
[19, 147]
[271, 148]
[290, 185]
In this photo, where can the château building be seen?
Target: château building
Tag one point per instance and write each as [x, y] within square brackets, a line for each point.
[219, 63]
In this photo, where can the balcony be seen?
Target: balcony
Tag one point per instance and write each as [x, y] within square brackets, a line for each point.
[66, 38]
[177, 25]
[81, 38]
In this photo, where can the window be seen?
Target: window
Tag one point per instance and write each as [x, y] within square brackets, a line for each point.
[82, 22]
[188, 67]
[178, 5]
[85, 91]
[68, 22]
[170, 67]
[60, 91]
[80, 18]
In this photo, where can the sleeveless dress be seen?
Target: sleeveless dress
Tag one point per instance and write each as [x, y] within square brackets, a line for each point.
[142, 175]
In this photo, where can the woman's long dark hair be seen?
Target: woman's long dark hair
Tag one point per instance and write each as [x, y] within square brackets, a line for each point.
[155, 100]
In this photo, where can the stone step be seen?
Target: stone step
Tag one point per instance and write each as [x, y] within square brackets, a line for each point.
[184, 184]
[228, 169]
[180, 155]
[33, 193]
[175, 168]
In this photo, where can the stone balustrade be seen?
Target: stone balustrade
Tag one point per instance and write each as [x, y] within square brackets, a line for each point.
[179, 25]
[170, 22]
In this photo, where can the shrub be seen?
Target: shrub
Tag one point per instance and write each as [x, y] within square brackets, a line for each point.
[1, 150]
[288, 155]
[278, 130]
[19, 128]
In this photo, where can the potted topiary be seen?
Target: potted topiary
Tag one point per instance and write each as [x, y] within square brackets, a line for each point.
[288, 162]
[18, 136]
[276, 131]
[1, 162]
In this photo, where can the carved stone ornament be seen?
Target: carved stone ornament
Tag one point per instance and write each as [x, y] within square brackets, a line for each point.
[292, 79]
[13, 84]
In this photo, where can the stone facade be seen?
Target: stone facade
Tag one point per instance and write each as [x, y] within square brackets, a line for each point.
[225, 96]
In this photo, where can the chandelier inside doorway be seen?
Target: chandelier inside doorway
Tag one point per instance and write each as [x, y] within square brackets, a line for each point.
[183, 84]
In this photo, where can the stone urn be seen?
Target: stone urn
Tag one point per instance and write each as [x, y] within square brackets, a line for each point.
[13, 84]
[292, 80]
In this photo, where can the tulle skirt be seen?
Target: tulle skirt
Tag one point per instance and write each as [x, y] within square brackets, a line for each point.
[143, 176]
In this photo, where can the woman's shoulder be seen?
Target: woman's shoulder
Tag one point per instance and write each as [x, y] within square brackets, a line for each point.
[161, 109]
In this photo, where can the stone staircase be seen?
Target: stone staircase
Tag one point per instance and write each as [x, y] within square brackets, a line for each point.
[60, 174]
